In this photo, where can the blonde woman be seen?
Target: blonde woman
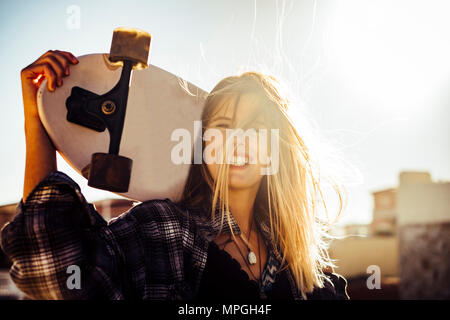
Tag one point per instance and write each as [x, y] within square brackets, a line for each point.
[236, 233]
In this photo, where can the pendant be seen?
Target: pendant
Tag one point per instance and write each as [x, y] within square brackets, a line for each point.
[251, 257]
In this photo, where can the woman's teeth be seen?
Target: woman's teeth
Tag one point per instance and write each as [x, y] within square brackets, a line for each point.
[239, 161]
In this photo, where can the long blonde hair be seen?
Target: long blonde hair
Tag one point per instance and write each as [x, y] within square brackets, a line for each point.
[289, 198]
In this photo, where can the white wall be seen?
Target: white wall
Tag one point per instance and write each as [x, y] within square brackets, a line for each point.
[355, 254]
[423, 203]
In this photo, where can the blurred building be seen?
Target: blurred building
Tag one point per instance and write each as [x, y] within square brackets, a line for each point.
[423, 221]
[408, 240]
[384, 212]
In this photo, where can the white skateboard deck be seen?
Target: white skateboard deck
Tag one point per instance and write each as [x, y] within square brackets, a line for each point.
[157, 105]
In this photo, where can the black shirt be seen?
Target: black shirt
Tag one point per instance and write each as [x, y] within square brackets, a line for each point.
[224, 278]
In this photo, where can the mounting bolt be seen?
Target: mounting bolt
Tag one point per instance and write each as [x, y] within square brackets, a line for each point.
[108, 107]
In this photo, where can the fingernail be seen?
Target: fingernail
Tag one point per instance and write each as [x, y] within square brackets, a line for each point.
[67, 71]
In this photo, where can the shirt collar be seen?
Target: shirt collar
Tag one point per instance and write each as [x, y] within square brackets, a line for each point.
[221, 224]
[216, 226]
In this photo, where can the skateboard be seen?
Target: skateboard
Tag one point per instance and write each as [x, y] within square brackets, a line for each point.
[114, 117]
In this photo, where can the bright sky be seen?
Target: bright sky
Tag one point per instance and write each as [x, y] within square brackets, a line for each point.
[374, 76]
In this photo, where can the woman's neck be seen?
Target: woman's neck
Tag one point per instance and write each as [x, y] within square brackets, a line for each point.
[241, 203]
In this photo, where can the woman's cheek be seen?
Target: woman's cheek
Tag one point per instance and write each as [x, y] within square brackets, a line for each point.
[213, 170]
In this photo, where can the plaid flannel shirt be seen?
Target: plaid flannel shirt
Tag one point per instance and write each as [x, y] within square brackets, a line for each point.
[155, 250]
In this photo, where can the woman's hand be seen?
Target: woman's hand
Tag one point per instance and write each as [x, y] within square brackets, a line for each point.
[40, 157]
[53, 65]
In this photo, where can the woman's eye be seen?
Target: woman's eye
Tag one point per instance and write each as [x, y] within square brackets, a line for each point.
[222, 125]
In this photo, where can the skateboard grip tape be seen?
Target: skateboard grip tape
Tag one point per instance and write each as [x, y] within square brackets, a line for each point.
[130, 44]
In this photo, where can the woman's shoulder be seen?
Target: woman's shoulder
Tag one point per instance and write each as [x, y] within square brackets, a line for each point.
[156, 210]
[160, 221]
[335, 288]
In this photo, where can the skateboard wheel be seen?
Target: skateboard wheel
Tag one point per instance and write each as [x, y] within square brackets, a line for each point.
[110, 172]
[130, 44]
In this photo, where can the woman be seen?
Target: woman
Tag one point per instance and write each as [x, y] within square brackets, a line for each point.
[236, 233]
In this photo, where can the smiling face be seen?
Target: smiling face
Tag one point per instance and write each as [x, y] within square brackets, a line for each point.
[290, 197]
[242, 150]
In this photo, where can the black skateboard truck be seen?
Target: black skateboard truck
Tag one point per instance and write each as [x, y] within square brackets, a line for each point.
[110, 171]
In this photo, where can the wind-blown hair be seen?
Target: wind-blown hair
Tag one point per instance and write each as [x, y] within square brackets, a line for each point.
[288, 199]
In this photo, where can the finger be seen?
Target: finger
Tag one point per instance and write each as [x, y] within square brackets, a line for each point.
[44, 70]
[58, 69]
[68, 58]
[63, 60]
[62, 56]
[50, 75]
[69, 55]
[37, 80]
[37, 73]
[45, 54]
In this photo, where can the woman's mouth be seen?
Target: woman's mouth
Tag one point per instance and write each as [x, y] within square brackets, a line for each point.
[239, 162]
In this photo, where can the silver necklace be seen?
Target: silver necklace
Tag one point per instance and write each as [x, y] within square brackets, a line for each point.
[251, 257]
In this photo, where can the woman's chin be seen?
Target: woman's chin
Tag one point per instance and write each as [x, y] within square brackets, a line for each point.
[239, 183]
